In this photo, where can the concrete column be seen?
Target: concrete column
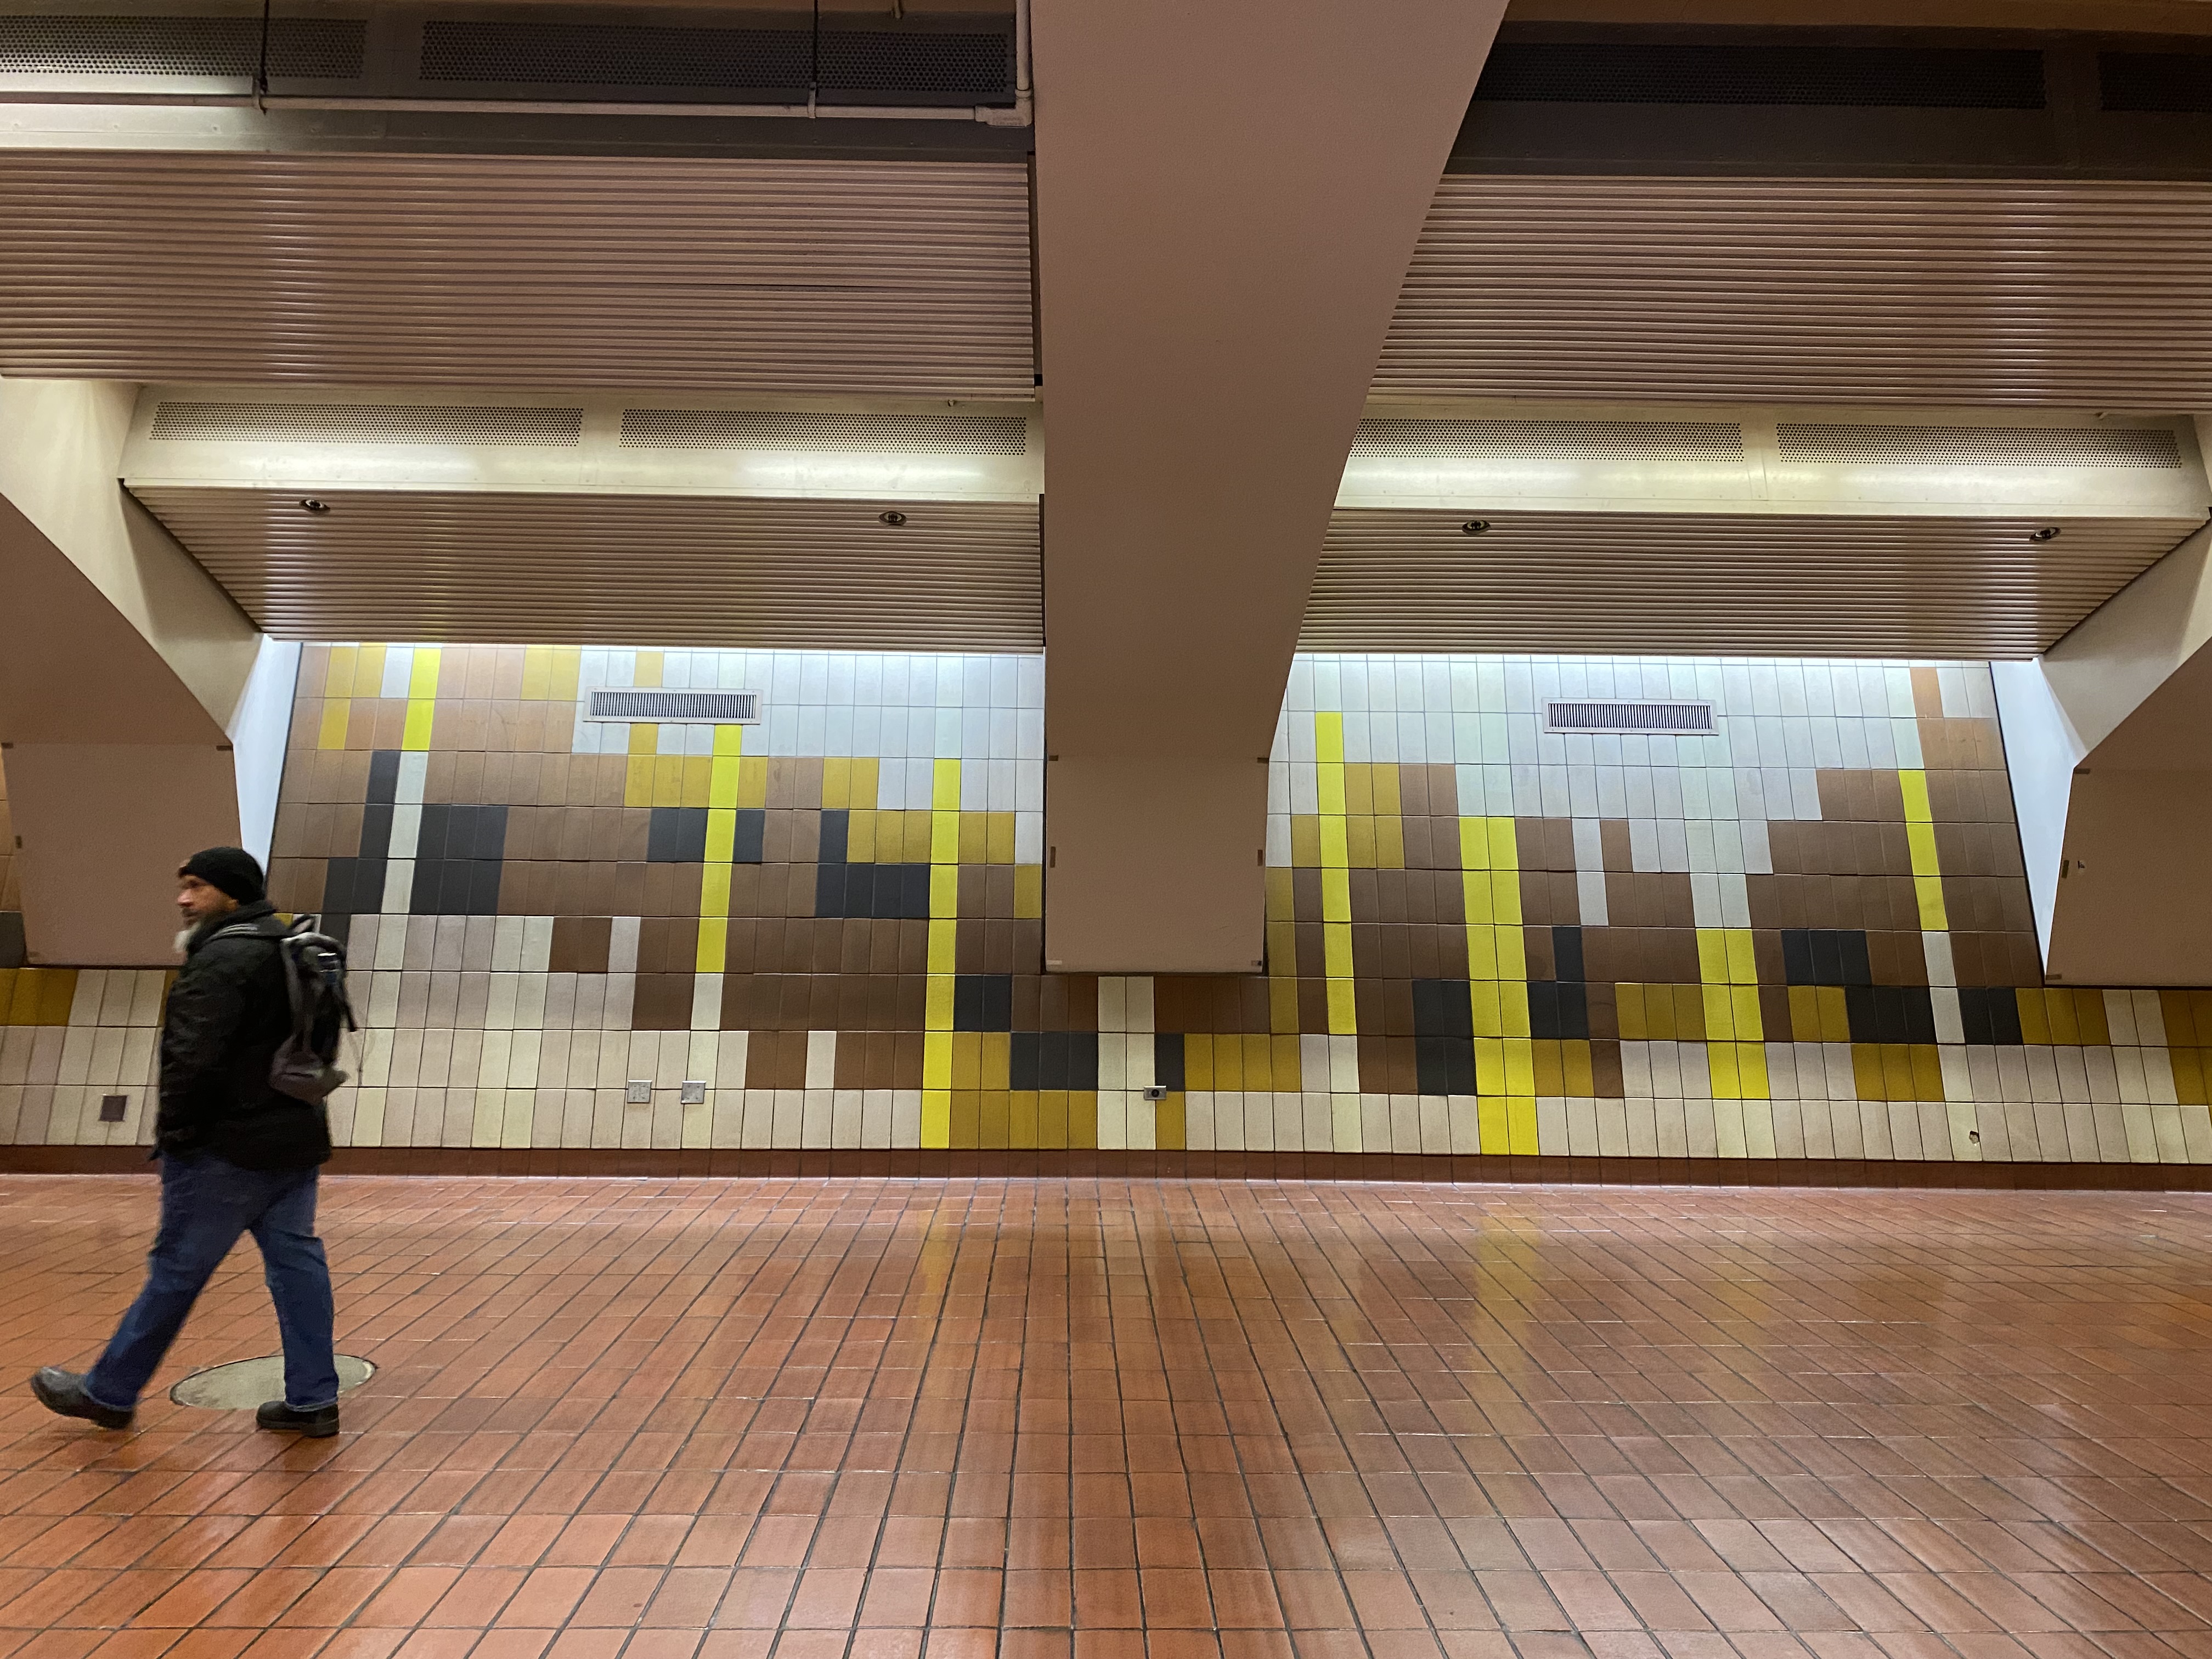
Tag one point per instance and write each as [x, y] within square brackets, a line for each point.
[1228, 197]
[126, 676]
[2108, 737]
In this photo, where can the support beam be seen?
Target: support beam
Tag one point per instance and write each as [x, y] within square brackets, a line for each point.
[2108, 737]
[126, 677]
[1228, 197]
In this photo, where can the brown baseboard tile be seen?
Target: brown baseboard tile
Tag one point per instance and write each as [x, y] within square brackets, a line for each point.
[912, 1163]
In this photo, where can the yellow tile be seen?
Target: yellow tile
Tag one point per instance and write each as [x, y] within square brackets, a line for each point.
[1520, 1127]
[996, 1113]
[936, 1117]
[567, 671]
[2058, 1015]
[1868, 1077]
[937, 1053]
[338, 679]
[1359, 789]
[644, 738]
[1835, 1014]
[1926, 1071]
[1260, 1063]
[1028, 892]
[2178, 1010]
[1358, 842]
[1382, 779]
[1748, 1021]
[1547, 1070]
[1628, 1012]
[944, 786]
[1329, 738]
[1280, 905]
[1343, 1008]
[1491, 1121]
[968, 1118]
[1897, 1070]
[1804, 1014]
[1336, 895]
[1390, 843]
[1690, 1013]
[973, 839]
[1489, 1066]
[994, 1059]
[1520, 1066]
[752, 781]
[920, 836]
[1228, 1061]
[1170, 1131]
[668, 778]
[7, 996]
[1720, 1065]
[729, 742]
[2090, 1018]
[1083, 1118]
[1582, 1080]
[56, 991]
[2188, 1074]
[337, 714]
[698, 781]
[861, 836]
[1928, 895]
[1198, 1061]
[837, 783]
[1305, 841]
[937, 999]
[1335, 844]
[999, 837]
[650, 667]
[1285, 1062]
[1049, 1113]
[1329, 791]
[1720, 1021]
[1282, 1004]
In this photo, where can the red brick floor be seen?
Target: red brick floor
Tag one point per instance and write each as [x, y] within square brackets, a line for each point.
[1144, 1420]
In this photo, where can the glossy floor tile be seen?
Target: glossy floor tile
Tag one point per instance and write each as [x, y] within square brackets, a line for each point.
[619, 1419]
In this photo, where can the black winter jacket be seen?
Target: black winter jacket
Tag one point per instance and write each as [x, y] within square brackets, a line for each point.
[226, 1015]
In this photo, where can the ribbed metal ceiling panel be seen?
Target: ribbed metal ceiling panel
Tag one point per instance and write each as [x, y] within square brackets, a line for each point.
[574, 569]
[1737, 585]
[2084, 294]
[807, 276]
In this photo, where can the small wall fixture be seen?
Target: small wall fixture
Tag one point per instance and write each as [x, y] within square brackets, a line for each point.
[309, 504]
[1474, 527]
[894, 520]
[2050, 532]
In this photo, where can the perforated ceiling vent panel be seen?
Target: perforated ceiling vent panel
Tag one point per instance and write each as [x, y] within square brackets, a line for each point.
[1885, 77]
[299, 48]
[1694, 717]
[1978, 445]
[939, 66]
[615, 55]
[2171, 82]
[365, 423]
[681, 707]
[1563, 441]
[881, 435]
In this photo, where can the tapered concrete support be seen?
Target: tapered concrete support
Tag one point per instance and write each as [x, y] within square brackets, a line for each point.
[1228, 197]
[126, 679]
[2109, 739]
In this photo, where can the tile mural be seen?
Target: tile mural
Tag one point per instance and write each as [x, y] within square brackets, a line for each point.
[1803, 934]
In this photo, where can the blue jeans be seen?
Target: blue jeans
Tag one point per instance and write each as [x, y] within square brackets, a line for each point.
[206, 1205]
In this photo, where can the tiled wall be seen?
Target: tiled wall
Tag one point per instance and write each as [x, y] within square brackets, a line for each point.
[11, 897]
[1805, 935]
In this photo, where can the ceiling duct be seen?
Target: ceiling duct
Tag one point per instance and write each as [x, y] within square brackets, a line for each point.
[1804, 71]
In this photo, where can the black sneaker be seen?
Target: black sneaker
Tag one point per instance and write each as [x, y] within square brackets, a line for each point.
[62, 1392]
[318, 1424]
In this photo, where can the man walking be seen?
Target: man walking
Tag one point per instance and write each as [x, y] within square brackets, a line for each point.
[237, 1157]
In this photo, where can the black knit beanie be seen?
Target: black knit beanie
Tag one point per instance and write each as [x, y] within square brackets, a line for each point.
[231, 870]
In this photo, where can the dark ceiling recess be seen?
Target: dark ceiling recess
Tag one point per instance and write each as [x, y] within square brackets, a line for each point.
[2156, 82]
[971, 63]
[1768, 72]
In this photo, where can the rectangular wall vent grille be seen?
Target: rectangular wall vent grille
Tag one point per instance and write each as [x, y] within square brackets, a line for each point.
[365, 423]
[1863, 77]
[1979, 446]
[1549, 440]
[2156, 82]
[719, 707]
[882, 434]
[1628, 717]
[299, 48]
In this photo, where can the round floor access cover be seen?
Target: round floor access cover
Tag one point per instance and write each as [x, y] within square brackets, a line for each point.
[245, 1383]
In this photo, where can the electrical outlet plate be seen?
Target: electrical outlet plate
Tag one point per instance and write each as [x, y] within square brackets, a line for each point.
[639, 1092]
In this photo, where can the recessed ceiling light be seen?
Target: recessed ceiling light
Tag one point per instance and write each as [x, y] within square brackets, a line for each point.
[1474, 527]
[894, 520]
[309, 504]
[2048, 533]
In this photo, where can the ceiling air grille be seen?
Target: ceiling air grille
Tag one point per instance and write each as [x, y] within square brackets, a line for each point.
[721, 707]
[2156, 82]
[1979, 446]
[1560, 440]
[299, 48]
[1628, 717]
[366, 423]
[1866, 77]
[881, 435]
